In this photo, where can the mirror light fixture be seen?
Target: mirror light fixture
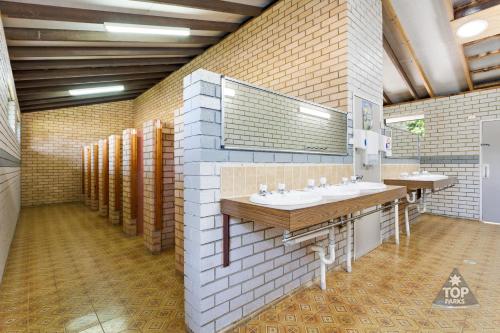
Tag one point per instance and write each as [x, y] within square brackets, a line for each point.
[146, 29]
[315, 113]
[472, 28]
[96, 90]
[405, 118]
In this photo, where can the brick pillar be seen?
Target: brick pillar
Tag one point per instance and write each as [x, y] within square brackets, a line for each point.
[158, 236]
[87, 173]
[94, 176]
[115, 179]
[179, 189]
[129, 202]
[103, 177]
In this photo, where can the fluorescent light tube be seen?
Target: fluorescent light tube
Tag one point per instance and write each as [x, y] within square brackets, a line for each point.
[146, 29]
[315, 113]
[401, 119]
[96, 90]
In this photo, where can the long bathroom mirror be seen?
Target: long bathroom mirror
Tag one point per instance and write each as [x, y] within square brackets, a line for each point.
[407, 137]
[254, 118]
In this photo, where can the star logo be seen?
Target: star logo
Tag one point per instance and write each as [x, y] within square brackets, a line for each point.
[455, 280]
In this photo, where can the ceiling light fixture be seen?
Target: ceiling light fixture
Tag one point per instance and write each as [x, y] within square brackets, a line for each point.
[315, 113]
[405, 118]
[146, 29]
[96, 90]
[472, 28]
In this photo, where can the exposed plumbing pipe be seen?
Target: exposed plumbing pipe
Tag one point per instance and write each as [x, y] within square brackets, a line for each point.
[422, 209]
[324, 260]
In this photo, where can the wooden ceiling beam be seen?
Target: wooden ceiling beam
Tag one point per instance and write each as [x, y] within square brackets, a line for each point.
[65, 88]
[66, 14]
[387, 100]
[39, 53]
[394, 59]
[85, 72]
[94, 63]
[474, 7]
[88, 80]
[387, 5]
[486, 69]
[24, 34]
[461, 54]
[60, 105]
[213, 5]
[483, 55]
[47, 98]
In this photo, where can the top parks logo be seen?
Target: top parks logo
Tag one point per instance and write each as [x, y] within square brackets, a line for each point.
[455, 293]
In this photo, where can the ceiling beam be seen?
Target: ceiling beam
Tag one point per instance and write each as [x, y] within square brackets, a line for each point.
[473, 7]
[84, 72]
[486, 69]
[62, 88]
[486, 85]
[387, 100]
[394, 59]
[387, 5]
[60, 105]
[90, 79]
[483, 55]
[39, 53]
[213, 5]
[23, 34]
[463, 60]
[47, 98]
[94, 63]
[66, 14]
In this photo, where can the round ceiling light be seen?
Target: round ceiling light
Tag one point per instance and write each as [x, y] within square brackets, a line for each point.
[472, 28]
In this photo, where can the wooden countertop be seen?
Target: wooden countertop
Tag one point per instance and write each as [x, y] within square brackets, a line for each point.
[298, 217]
[418, 184]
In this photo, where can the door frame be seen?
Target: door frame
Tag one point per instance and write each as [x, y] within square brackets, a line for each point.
[481, 122]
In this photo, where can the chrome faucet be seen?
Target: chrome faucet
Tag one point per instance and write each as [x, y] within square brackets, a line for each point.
[263, 190]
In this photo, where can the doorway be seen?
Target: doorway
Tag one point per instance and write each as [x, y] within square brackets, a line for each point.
[490, 170]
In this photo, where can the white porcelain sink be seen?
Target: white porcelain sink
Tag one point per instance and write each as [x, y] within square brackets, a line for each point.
[367, 186]
[337, 191]
[286, 199]
[427, 177]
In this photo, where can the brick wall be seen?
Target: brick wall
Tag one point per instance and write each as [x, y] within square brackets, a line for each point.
[179, 189]
[298, 48]
[10, 154]
[51, 143]
[157, 239]
[103, 177]
[128, 217]
[452, 144]
[115, 179]
[94, 176]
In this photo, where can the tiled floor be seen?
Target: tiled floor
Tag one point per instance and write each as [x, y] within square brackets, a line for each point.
[70, 271]
[392, 289]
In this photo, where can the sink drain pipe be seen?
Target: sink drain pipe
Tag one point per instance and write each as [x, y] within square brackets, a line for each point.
[330, 231]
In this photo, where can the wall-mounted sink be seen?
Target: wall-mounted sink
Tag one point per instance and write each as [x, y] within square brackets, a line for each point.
[337, 191]
[288, 198]
[426, 177]
[367, 186]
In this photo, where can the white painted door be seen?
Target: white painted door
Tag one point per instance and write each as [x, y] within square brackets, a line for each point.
[490, 171]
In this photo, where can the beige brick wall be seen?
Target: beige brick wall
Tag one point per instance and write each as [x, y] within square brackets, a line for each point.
[51, 143]
[94, 176]
[298, 48]
[103, 177]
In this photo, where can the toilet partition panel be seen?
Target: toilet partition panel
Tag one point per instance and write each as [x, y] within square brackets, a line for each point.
[114, 179]
[103, 177]
[129, 181]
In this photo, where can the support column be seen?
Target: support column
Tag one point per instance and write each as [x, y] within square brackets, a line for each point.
[129, 182]
[94, 176]
[103, 177]
[115, 179]
[87, 173]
